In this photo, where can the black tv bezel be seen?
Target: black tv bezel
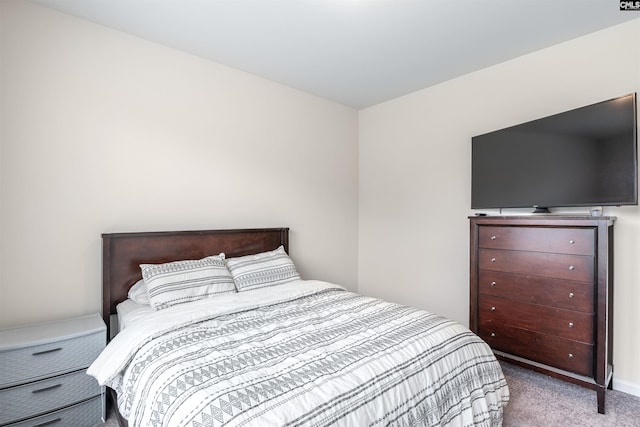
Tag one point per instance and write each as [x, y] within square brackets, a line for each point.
[544, 209]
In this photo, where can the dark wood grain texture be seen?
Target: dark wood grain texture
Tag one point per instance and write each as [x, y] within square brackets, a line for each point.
[568, 294]
[578, 241]
[569, 355]
[541, 290]
[546, 264]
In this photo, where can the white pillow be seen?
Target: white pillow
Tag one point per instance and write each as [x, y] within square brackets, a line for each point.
[184, 281]
[129, 312]
[263, 269]
[138, 292]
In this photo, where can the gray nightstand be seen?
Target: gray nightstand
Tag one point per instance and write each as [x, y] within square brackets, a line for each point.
[43, 378]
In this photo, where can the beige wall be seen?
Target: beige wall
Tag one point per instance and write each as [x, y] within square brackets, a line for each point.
[415, 176]
[104, 132]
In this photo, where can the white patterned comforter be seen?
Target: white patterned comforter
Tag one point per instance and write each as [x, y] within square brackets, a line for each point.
[306, 353]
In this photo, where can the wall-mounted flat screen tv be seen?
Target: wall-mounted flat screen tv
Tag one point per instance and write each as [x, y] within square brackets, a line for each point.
[584, 157]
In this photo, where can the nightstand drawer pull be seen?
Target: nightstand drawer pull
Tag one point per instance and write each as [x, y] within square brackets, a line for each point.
[571, 324]
[38, 353]
[493, 309]
[493, 237]
[48, 423]
[493, 283]
[51, 387]
[571, 295]
[571, 242]
[493, 260]
[571, 267]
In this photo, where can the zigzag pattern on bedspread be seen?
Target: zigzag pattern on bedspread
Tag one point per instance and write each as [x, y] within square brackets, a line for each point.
[331, 358]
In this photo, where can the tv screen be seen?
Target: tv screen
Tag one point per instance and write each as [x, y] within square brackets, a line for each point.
[583, 157]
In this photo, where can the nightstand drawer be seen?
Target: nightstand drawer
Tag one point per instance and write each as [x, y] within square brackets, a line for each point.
[24, 401]
[85, 414]
[35, 362]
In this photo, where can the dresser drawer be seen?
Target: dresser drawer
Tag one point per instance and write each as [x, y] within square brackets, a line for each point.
[85, 414]
[565, 354]
[559, 266]
[567, 324]
[577, 241]
[35, 362]
[38, 397]
[567, 294]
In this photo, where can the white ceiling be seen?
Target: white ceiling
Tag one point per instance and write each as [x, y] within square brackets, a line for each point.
[354, 52]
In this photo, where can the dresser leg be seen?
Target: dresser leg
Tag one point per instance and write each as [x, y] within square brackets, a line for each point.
[601, 391]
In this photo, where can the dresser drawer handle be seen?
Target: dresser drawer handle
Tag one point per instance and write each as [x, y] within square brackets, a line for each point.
[493, 283]
[493, 260]
[493, 309]
[48, 423]
[38, 353]
[493, 334]
[571, 242]
[571, 324]
[571, 295]
[493, 237]
[40, 390]
[571, 267]
[570, 355]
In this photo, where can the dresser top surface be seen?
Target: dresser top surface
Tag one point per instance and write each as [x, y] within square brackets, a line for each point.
[544, 216]
[543, 219]
[43, 333]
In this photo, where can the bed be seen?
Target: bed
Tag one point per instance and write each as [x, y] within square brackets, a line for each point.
[276, 349]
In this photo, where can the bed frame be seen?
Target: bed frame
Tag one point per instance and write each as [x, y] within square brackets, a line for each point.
[122, 254]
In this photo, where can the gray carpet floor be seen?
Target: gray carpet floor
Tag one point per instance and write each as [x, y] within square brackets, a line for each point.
[541, 401]
[538, 400]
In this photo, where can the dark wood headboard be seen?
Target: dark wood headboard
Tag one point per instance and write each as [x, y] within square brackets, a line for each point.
[122, 254]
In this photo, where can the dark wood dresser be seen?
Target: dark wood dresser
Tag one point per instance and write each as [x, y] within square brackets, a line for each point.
[542, 294]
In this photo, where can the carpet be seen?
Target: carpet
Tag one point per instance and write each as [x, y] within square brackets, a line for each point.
[539, 400]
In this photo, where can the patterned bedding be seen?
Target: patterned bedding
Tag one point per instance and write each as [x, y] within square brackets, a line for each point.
[306, 353]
